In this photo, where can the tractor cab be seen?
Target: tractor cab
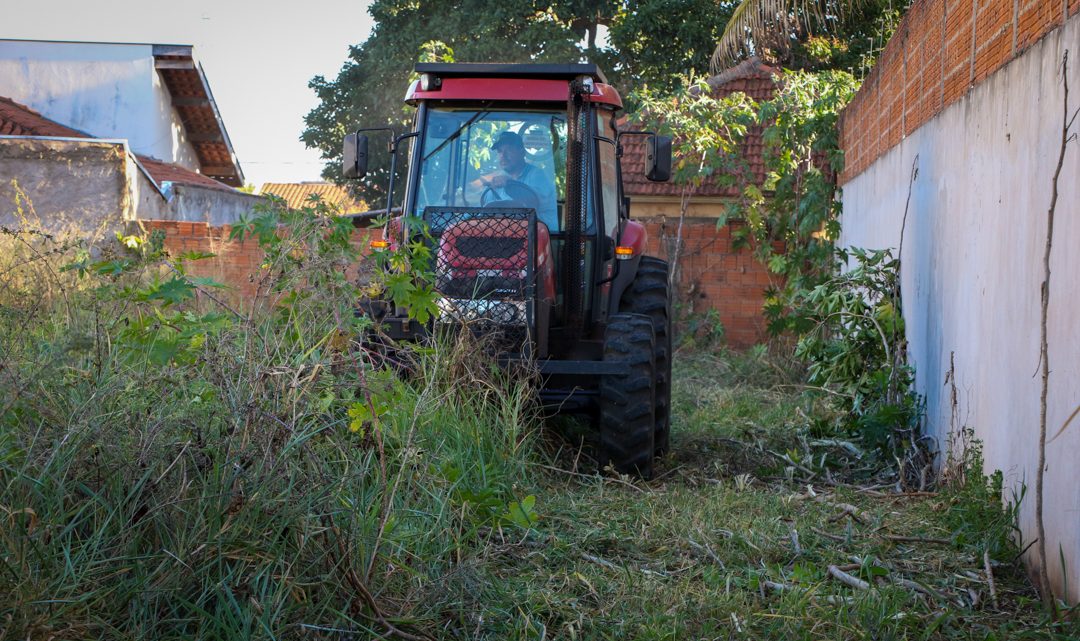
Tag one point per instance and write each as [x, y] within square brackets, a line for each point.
[514, 178]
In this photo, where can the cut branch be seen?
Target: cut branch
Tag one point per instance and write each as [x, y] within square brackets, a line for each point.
[847, 579]
[1045, 590]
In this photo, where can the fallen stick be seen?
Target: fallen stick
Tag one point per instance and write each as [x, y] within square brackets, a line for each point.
[918, 587]
[834, 537]
[795, 542]
[990, 578]
[707, 550]
[896, 495]
[847, 509]
[589, 476]
[787, 459]
[847, 579]
[597, 560]
[914, 539]
[777, 587]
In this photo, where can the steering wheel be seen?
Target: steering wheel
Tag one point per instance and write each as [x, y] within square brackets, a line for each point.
[515, 190]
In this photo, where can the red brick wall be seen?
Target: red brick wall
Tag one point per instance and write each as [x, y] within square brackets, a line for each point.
[235, 264]
[941, 49]
[714, 275]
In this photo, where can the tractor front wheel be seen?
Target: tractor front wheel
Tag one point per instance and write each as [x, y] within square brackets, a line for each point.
[627, 399]
[648, 295]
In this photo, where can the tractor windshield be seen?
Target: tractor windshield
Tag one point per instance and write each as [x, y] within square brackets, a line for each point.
[478, 158]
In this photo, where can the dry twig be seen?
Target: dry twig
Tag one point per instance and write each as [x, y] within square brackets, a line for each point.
[847, 579]
[990, 578]
[1049, 604]
[915, 539]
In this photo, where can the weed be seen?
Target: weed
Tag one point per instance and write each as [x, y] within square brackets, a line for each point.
[252, 476]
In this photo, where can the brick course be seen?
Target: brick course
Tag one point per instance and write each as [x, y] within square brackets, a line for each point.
[234, 263]
[714, 275]
[941, 49]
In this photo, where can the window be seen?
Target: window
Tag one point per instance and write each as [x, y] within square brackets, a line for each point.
[609, 181]
[464, 151]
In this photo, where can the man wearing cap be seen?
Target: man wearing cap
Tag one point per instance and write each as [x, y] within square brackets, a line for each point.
[516, 173]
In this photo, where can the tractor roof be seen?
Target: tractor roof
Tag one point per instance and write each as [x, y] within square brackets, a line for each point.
[511, 70]
[508, 82]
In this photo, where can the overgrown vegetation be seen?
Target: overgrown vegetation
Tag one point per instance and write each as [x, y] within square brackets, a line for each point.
[842, 308]
[173, 468]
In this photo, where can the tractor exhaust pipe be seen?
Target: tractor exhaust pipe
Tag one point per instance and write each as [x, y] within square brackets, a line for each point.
[577, 159]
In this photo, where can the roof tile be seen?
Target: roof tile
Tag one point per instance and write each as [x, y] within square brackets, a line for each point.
[297, 195]
[163, 172]
[20, 120]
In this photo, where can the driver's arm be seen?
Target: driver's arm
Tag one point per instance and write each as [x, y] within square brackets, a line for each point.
[475, 188]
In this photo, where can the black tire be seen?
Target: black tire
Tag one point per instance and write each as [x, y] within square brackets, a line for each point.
[648, 295]
[626, 399]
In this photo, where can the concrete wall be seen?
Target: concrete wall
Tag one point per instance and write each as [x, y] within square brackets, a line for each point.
[203, 204]
[85, 189]
[972, 268]
[106, 90]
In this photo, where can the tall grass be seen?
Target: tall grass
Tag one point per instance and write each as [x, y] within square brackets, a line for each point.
[175, 468]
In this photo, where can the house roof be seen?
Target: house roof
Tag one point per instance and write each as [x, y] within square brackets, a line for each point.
[20, 120]
[297, 195]
[751, 77]
[194, 102]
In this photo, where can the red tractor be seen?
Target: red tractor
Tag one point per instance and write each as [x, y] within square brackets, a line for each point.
[514, 177]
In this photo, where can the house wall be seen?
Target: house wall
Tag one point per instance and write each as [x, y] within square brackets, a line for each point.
[73, 188]
[106, 90]
[214, 206]
[975, 235]
[714, 276]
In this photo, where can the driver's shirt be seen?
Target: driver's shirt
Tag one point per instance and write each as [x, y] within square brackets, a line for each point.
[546, 211]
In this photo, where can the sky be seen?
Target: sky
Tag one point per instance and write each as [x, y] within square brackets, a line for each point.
[258, 56]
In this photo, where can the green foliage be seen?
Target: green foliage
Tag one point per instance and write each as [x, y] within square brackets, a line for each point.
[793, 229]
[848, 323]
[792, 218]
[851, 334]
[979, 514]
[810, 36]
[173, 467]
[707, 130]
[654, 42]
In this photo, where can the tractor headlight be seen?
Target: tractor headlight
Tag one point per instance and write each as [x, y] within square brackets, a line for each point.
[429, 82]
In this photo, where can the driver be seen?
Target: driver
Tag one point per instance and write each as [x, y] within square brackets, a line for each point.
[514, 168]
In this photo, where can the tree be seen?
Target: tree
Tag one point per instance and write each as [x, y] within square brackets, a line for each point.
[369, 88]
[654, 42]
[808, 34]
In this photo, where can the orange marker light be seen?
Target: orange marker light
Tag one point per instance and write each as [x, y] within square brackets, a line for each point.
[624, 253]
[380, 244]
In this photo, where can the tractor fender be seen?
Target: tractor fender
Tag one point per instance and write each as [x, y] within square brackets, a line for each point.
[634, 235]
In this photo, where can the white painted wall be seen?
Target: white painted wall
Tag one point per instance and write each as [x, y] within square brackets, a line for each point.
[105, 90]
[972, 268]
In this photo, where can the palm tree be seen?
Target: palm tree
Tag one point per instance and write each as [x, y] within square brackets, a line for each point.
[760, 26]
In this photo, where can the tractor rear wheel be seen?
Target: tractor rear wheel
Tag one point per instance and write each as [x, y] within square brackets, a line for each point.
[627, 399]
[648, 295]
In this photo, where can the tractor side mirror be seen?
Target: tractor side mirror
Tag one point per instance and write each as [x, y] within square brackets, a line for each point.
[658, 158]
[354, 156]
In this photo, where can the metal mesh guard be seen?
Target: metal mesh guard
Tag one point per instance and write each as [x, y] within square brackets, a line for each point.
[484, 266]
